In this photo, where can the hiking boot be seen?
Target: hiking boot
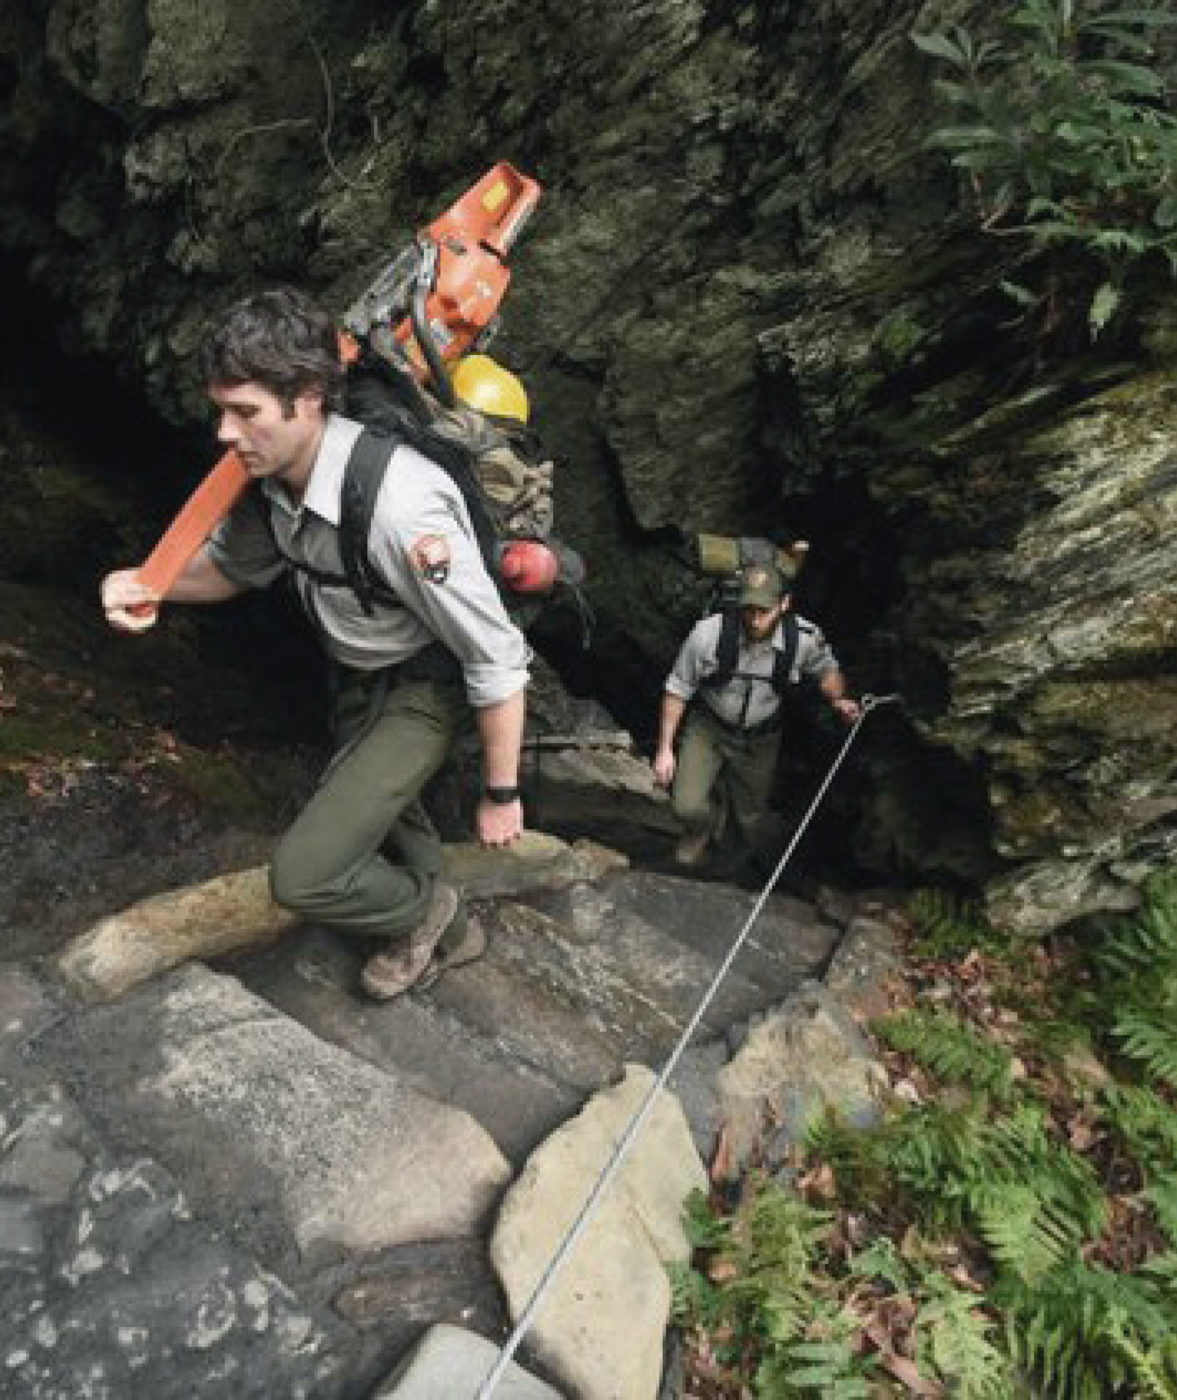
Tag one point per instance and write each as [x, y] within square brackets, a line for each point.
[401, 965]
[692, 847]
[463, 942]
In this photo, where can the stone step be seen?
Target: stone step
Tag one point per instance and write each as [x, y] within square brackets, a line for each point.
[313, 976]
[788, 943]
[575, 983]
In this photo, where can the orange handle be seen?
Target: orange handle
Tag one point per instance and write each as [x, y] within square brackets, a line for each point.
[210, 502]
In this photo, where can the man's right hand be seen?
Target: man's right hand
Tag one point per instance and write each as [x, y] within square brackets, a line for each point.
[664, 767]
[128, 605]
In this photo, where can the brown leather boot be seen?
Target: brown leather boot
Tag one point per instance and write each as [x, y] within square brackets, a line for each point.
[401, 965]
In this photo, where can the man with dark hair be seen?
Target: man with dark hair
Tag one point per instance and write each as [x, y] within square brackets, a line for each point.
[728, 681]
[409, 667]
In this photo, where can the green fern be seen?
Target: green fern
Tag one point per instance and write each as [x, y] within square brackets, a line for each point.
[1144, 946]
[1161, 1194]
[955, 1340]
[932, 1153]
[693, 1300]
[881, 1262]
[1032, 1200]
[767, 1249]
[704, 1228]
[1085, 1333]
[947, 925]
[826, 1362]
[1150, 1038]
[1028, 1234]
[850, 1153]
[1145, 1123]
[1153, 1365]
[952, 1050]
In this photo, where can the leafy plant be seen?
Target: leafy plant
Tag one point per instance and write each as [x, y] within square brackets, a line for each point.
[948, 926]
[943, 1044]
[765, 1290]
[1017, 1236]
[1138, 967]
[1086, 1333]
[1062, 132]
[956, 1341]
[1144, 1121]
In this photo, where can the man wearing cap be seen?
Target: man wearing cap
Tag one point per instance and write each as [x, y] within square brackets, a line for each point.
[727, 683]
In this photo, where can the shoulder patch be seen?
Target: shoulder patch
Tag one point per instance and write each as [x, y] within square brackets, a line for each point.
[431, 557]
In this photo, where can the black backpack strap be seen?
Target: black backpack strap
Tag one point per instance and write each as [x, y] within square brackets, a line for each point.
[363, 477]
[782, 662]
[727, 651]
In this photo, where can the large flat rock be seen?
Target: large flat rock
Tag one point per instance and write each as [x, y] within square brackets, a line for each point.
[600, 1322]
[314, 977]
[313, 1152]
[111, 1284]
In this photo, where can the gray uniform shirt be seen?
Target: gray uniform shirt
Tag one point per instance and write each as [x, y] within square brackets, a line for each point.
[749, 698]
[420, 518]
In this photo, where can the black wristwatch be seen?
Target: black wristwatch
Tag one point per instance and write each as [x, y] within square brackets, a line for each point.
[502, 795]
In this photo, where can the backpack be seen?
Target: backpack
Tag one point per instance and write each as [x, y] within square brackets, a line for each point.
[727, 651]
[724, 559]
[498, 465]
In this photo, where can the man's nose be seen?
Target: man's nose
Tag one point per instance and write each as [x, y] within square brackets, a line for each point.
[227, 432]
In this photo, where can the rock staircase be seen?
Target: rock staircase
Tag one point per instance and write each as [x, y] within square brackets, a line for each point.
[310, 1178]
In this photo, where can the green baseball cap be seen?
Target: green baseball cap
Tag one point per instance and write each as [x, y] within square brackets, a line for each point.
[762, 587]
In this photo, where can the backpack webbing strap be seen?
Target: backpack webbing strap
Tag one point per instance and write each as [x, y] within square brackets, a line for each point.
[363, 477]
[727, 652]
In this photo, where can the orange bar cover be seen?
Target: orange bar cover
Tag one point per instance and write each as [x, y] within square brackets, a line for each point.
[213, 498]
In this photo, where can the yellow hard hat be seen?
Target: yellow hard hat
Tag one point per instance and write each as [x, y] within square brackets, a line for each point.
[484, 384]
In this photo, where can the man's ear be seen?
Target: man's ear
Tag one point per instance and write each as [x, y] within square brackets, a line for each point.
[311, 399]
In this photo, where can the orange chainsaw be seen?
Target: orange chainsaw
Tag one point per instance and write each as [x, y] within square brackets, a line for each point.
[430, 306]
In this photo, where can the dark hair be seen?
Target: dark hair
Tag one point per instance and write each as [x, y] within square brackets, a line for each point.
[280, 339]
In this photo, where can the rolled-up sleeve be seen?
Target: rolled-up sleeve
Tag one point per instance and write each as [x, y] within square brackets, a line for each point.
[463, 609]
[243, 548]
[817, 658]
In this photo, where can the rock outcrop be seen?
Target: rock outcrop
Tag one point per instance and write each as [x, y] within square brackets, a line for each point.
[749, 302]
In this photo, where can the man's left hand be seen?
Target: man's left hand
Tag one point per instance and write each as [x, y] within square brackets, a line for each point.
[846, 709]
[499, 823]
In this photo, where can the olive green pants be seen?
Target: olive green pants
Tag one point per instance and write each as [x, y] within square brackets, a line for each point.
[362, 856]
[720, 773]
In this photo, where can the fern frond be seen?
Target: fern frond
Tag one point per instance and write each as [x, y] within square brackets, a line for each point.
[955, 1338]
[949, 1048]
[946, 925]
[1146, 1124]
[1085, 1332]
[932, 1152]
[848, 1151]
[1028, 1235]
[1146, 943]
[1019, 1150]
[1151, 1039]
[774, 1242]
[1162, 1196]
[825, 1362]
[703, 1227]
[693, 1300]
[1151, 1363]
